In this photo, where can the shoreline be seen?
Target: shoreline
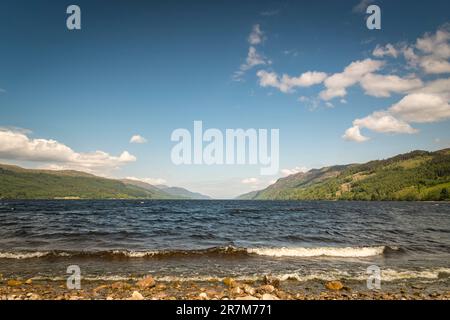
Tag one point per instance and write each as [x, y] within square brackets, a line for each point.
[228, 289]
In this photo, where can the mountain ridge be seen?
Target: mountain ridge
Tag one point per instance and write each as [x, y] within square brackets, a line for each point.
[417, 175]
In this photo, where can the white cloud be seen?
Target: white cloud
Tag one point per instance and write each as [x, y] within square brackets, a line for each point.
[286, 84]
[438, 87]
[435, 44]
[288, 172]
[432, 65]
[361, 7]
[152, 181]
[253, 59]
[354, 134]
[422, 107]
[383, 85]
[413, 108]
[256, 36]
[18, 146]
[387, 50]
[337, 84]
[138, 139]
[430, 52]
[250, 181]
[382, 121]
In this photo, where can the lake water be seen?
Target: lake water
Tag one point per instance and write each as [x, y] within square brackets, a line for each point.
[200, 240]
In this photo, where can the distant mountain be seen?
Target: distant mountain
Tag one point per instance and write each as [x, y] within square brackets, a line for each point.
[248, 196]
[175, 192]
[418, 175]
[20, 183]
[184, 193]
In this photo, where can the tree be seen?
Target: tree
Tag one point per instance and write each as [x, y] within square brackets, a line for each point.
[444, 194]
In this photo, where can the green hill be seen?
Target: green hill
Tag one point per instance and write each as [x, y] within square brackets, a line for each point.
[418, 175]
[19, 183]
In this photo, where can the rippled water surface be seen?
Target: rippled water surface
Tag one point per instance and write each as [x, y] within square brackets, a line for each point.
[204, 239]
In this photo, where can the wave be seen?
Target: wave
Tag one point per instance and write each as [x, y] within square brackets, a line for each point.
[301, 252]
[340, 252]
[387, 275]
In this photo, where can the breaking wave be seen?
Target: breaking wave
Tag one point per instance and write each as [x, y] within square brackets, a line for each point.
[301, 252]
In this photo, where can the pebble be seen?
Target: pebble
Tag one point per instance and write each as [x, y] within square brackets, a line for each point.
[137, 296]
[334, 285]
[267, 296]
[147, 282]
[203, 296]
[247, 298]
[267, 288]
[229, 282]
[249, 290]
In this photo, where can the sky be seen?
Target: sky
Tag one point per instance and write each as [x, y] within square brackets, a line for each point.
[105, 99]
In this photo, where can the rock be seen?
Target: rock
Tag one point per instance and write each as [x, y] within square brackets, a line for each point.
[247, 298]
[236, 291]
[147, 282]
[267, 296]
[120, 286]
[100, 288]
[29, 281]
[249, 290]
[283, 295]
[230, 282]
[109, 298]
[14, 283]
[334, 285]
[203, 296]
[161, 287]
[136, 296]
[159, 296]
[267, 288]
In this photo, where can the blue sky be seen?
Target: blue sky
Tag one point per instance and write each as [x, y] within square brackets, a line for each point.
[146, 68]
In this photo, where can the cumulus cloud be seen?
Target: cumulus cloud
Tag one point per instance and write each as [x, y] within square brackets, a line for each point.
[383, 85]
[430, 52]
[382, 121]
[421, 108]
[379, 121]
[288, 172]
[285, 83]
[354, 134]
[138, 139]
[337, 84]
[16, 145]
[438, 87]
[387, 50]
[413, 108]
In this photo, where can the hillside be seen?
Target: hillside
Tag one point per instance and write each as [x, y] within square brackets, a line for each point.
[19, 183]
[184, 193]
[418, 175]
